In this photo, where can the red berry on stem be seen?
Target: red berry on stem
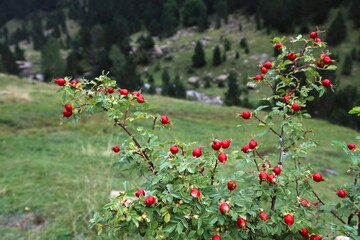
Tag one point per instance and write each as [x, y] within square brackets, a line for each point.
[116, 149]
[318, 40]
[267, 65]
[222, 157]
[216, 237]
[73, 83]
[291, 56]
[304, 232]
[224, 208]
[305, 203]
[241, 222]
[150, 200]
[123, 91]
[296, 107]
[258, 77]
[252, 144]
[197, 152]
[327, 60]
[68, 107]
[165, 120]
[262, 175]
[277, 170]
[264, 70]
[110, 90]
[225, 143]
[317, 177]
[315, 237]
[289, 219]
[341, 193]
[277, 46]
[231, 185]
[245, 115]
[326, 82]
[136, 93]
[174, 149]
[271, 178]
[140, 99]
[140, 192]
[286, 98]
[195, 193]
[314, 35]
[60, 81]
[67, 113]
[264, 216]
[245, 148]
[351, 146]
[216, 145]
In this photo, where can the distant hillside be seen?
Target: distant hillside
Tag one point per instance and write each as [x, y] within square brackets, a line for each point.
[137, 40]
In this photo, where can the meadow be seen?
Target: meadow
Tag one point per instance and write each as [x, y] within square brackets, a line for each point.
[54, 177]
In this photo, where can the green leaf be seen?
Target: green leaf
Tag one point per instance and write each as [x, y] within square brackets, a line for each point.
[179, 227]
[331, 67]
[355, 110]
[167, 217]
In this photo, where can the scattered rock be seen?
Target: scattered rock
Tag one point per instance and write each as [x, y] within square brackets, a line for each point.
[251, 85]
[221, 78]
[331, 172]
[193, 80]
[204, 98]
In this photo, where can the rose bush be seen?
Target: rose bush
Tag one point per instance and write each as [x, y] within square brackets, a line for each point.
[186, 196]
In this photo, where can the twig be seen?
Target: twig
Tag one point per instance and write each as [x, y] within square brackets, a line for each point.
[271, 129]
[273, 201]
[282, 147]
[332, 211]
[143, 152]
[152, 128]
[213, 173]
[254, 158]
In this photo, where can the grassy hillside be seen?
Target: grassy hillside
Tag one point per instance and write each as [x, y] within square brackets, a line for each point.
[53, 178]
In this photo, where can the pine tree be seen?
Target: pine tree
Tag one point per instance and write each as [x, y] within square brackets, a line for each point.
[37, 34]
[52, 64]
[72, 65]
[198, 59]
[8, 60]
[179, 88]
[227, 44]
[221, 9]
[165, 87]
[337, 31]
[152, 88]
[169, 18]
[232, 96]
[123, 69]
[216, 61]
[19, 53]
[347, 66]
[194, 12]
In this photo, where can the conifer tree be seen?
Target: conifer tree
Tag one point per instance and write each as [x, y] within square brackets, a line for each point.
[52, 64]
[216, 61]
[179, 88]
[337, 31]
[169, 18]
[198, 59]
[165, 87]
[8, 60]
[232, 96]
[347, 66]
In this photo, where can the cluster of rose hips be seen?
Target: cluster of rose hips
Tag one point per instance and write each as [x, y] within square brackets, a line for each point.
[323, 60]
[109, 90]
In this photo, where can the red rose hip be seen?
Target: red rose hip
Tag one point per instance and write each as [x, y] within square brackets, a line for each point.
[231, 185]
[341, 193]
[289, 219]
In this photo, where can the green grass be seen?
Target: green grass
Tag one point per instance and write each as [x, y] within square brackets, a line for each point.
[53, 178]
